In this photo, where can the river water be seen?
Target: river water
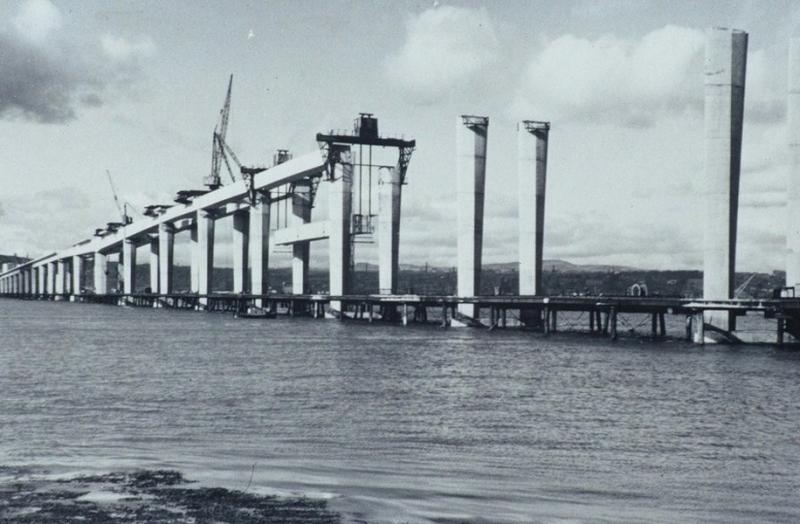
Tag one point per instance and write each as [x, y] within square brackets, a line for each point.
[414, 424]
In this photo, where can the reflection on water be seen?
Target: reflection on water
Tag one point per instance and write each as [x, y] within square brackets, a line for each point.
[410, 424]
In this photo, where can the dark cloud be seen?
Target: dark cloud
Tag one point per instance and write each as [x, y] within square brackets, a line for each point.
[92, 100]
[37, 84]
[49, 78]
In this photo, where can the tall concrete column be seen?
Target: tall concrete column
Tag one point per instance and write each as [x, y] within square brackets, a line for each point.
[61, 271]
[301, 214]
[193, 247]
[340, 210]
[42, 276]
[725, 64]
[471, 136]
[129, 261]
[154, 265]
[389, 193]
[25, 282]
[166, 249]
[259, 247]
[100, 274]
[241, 236]
[52, 276]
[77, 277]
[204, 253]
[67, 278]
[793, 197]
[532, 138]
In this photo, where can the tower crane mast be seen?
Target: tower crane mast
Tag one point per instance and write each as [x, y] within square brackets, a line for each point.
[218, 140]
[123, 208]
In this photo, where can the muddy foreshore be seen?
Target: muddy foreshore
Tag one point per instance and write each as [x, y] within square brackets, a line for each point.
[151, 496]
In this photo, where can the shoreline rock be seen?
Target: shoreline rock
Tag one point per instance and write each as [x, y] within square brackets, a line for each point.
[153, 496]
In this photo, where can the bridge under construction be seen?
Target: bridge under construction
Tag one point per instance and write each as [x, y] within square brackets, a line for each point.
[363, 198]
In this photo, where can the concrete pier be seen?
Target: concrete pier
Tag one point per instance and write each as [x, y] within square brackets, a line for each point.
[204, 253]
[61, 270]
[154, 264]
[129, 264]
[67, 278]
[301, 214]
[42, 277]
[77, 277]
[471, 137]
[51, 278]
[166, 249]
[793, 196]
[241, 235]
[259, 247]
[389, 194]
[100, 274]
[725, 65]
[194, 278]
[340, 206]
[532, 142]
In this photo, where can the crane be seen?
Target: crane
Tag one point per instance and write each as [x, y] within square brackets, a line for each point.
[123, 209]
[221, 152]
[218, 145]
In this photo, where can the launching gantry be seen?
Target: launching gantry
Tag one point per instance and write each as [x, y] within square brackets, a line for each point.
[350, 148]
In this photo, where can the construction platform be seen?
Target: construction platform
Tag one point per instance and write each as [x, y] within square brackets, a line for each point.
[603, 311]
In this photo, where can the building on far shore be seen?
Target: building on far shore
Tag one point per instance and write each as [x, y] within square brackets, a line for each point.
[9, 261]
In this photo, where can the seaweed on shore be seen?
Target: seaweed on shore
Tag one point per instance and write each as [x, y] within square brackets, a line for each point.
[151, 496]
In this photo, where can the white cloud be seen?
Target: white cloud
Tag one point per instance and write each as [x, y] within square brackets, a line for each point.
[445, 46]
[121, 49]
[36, 20]
[615, 78]
[635, 81]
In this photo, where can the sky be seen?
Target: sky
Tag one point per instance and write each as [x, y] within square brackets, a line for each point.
[135, 88]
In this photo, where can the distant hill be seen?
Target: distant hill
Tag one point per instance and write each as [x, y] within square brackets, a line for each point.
[562, 266]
